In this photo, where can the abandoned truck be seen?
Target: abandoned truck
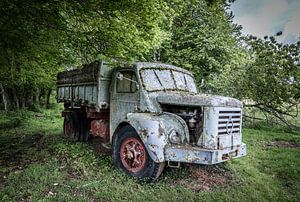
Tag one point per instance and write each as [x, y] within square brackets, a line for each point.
[150, 114]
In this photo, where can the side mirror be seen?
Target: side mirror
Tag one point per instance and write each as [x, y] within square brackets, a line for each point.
[120, 76]
[137, 86]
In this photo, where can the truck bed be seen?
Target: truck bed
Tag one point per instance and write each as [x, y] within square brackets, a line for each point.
[85, 86]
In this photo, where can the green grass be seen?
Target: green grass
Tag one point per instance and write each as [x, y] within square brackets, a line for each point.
[38, 164]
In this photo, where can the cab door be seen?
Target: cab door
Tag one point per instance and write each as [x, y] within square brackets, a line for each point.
[125, 97]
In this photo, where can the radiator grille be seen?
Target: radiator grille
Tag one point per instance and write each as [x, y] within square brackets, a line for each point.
[229, 122]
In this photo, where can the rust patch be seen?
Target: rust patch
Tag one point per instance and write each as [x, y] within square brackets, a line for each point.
[144, 133]
[283, 144]
[161, 130]
[100, 128]
[191, 159]
[154, 146]
[173, 155]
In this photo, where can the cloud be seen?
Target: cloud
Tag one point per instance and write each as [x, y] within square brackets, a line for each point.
[241, 7]
[292, 27]
[267, 17]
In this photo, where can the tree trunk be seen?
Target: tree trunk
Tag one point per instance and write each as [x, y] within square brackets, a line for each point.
[41, 94]
[37, 98]
[48, 98]
[23, 103]
[4, 97]
[17, 101]
[23, 99]
[29, 98]
[15, 98]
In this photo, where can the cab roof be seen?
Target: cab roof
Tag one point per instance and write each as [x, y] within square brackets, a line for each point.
[146, 65]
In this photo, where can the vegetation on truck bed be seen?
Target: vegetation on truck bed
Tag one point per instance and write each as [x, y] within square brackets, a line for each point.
[37, 163]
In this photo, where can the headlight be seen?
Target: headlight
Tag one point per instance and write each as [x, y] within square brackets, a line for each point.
[174, 137]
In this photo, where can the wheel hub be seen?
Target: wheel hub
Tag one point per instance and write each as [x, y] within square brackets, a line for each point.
[133, 154]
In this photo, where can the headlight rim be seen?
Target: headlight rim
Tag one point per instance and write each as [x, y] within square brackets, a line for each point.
[174, 134]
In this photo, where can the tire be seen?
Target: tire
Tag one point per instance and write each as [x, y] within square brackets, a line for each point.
[71, 129]
[84, 134]
[131, 156]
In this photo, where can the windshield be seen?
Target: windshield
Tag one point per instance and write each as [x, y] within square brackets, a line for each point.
[166, 79]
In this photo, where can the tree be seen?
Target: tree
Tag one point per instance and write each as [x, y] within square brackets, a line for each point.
[40, 38]
[202, 38]
[272, 79]
[268, 76]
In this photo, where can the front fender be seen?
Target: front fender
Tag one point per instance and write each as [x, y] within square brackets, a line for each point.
[154, 129]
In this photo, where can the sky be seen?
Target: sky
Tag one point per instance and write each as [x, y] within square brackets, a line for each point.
[267, 17]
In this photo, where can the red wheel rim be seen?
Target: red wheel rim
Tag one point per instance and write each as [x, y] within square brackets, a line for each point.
[133, 154]
[68, 129]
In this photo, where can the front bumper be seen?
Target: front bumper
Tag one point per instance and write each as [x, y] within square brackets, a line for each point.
[190, 154]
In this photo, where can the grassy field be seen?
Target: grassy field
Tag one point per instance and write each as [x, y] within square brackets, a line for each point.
[36, 163]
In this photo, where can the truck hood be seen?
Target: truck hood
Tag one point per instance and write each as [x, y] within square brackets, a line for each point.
[188, 99]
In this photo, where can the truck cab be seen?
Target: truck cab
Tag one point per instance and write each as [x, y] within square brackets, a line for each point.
[150, 114]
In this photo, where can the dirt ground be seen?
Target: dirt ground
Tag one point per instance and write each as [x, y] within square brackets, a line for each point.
[12, 154]
[205, 178]
[283, 144]
[99, 147]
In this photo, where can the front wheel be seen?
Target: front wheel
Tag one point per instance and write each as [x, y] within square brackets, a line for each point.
[131, 156]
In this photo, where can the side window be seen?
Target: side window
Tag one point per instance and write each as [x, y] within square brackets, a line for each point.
[126, 85]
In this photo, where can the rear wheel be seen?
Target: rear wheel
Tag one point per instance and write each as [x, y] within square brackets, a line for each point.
[130, 155]
[71, 130]
[84, 127]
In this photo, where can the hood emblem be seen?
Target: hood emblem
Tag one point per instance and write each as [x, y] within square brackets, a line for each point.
[229, 125]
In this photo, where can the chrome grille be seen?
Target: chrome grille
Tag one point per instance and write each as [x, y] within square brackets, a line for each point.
[229, 122]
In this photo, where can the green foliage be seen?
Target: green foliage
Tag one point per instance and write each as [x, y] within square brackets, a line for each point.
[125, 29]
[266, 76]
[29, 40]
[40, 38]
[202, 38]
[273, 76]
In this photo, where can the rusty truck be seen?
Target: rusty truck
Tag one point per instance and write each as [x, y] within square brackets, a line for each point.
[150, 115]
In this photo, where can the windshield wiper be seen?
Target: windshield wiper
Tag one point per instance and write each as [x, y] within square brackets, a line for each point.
[159, 80]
